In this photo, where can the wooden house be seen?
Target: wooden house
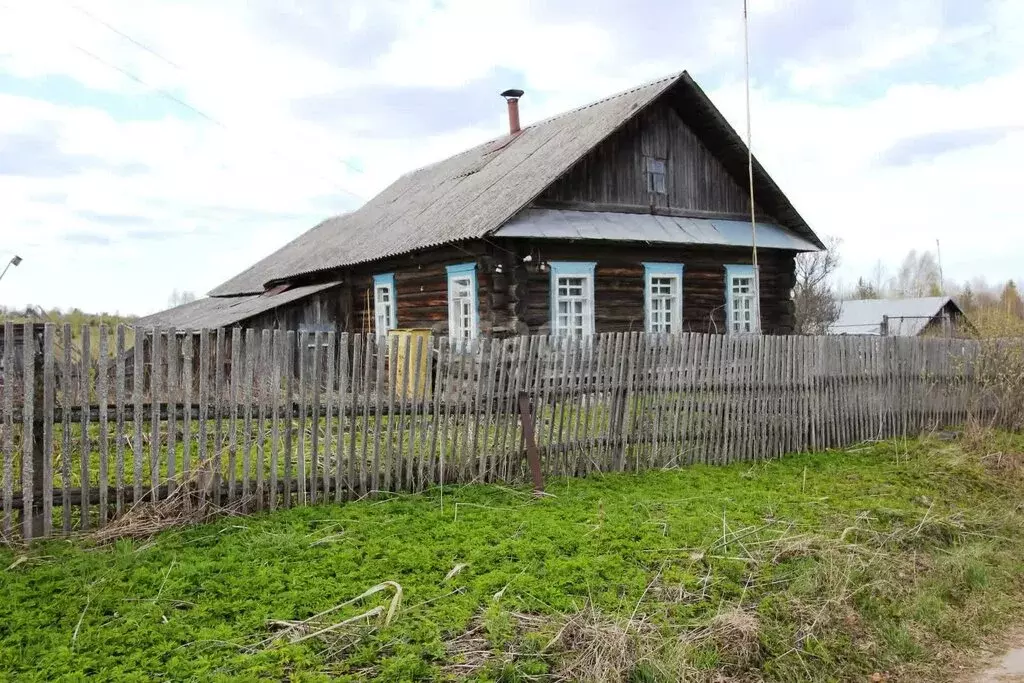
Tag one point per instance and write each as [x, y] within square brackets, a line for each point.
[933, 316]
[631, 213]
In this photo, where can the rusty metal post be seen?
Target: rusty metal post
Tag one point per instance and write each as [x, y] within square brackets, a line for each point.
[532, 454]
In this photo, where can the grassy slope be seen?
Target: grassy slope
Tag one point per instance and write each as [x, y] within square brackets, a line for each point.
[931, 560]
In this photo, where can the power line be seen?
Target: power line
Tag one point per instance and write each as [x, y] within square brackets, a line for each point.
[179, 101]
[143, 83]
[196, 110]
[126, 36]
[166, 60]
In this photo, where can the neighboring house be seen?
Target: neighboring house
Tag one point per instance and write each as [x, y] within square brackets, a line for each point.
[935, 315]
[631, 213]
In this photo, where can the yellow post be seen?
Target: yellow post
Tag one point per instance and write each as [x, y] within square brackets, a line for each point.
[406, 340]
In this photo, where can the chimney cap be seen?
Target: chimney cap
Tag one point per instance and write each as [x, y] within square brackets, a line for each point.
[513, 92]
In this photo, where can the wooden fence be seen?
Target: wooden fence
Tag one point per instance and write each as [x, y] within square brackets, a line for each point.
[269, 418]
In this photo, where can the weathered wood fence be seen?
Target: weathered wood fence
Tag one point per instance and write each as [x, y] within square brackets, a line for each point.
[266, 418]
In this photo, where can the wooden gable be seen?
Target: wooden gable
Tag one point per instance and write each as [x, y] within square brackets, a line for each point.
[615, 172]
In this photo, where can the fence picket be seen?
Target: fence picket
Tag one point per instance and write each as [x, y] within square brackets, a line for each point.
[330, 445]
[473, 463]
[299, 353]
[67, 398]
[288, 370]
[261, 387]
[378, 401]
[28, 431]
[411, 406]
[356, 366]
[216, 471]
[49, 394]
[103, 398]
[84, 403]
[276, 359]
[243, 370]
[443, 366]
[496, 364]
[392, 382]
[120, 360]
[203, 462]
[8, 435]
[345, 404]
[314, 411]
[172, 385]
[238, 390]
[366, 386]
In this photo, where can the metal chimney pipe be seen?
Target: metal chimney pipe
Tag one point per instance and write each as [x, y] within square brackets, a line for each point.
[512, 97]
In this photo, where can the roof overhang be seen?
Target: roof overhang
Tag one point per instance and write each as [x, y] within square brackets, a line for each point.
[646, 227]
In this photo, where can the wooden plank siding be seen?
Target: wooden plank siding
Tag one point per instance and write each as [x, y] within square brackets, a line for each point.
[615, 171]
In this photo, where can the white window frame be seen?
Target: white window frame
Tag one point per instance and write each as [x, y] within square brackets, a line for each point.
[573, 269]
[465, 272]
[661, 271]
[739, 272]
[655, 169]
[384, 320]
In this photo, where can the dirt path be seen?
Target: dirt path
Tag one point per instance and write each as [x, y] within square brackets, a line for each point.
[1007, 667]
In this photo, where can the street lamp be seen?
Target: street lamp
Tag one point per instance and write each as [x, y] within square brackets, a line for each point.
[15, 261]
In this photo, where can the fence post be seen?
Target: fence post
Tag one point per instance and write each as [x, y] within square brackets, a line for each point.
[532, 454]
[35, 337]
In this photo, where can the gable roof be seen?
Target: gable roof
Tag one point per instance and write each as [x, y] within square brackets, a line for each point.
[475, 192]
[907, 317]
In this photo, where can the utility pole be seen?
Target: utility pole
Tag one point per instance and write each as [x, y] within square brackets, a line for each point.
[938, 257]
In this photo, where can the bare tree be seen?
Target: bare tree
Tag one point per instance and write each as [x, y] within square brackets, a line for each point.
[918, 276]
[816, 307]
[178, 298]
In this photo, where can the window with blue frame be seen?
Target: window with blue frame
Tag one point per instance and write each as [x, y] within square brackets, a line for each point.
[385, 313]
[743, 315]
[663, 297]
[572, 298]
[463, 302]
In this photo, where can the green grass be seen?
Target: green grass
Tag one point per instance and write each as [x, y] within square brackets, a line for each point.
[888, 558]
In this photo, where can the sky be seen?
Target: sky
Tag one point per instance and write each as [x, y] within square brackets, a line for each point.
[150, 146]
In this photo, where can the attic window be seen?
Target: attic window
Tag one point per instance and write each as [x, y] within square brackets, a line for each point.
[655, 175]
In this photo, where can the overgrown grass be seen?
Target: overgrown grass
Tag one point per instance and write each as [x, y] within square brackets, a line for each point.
[890, 559]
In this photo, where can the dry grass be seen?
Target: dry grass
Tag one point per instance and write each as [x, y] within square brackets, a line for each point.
[336, 637]
[733, 633]
[597, 647]
[188, 504]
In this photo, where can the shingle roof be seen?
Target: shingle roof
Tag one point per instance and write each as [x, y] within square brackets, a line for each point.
[473, 193]
[214, 312]
[907, 317]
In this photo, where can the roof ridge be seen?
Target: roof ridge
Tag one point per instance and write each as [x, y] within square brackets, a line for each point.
[628, 91]
[554, 117]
